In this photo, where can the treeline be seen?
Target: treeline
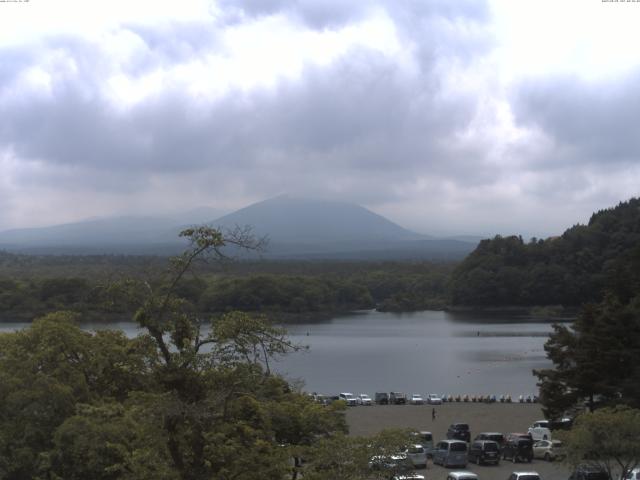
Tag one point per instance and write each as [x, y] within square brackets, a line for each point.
[568, 270]
[321, 291]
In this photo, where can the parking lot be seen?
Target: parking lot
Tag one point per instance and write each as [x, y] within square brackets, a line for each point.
[493, 417]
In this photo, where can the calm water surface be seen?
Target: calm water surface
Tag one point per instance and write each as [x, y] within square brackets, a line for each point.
[421, 352]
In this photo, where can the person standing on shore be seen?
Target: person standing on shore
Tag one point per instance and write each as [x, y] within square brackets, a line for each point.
[433, 414]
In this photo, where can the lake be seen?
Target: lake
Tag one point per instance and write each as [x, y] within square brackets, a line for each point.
[420, 352]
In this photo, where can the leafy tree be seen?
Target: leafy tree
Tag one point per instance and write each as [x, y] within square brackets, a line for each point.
[187, 399]
[339, 457]
[608, 437]
[594, 359]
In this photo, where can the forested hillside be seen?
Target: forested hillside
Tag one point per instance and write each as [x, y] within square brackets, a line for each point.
[568, 270]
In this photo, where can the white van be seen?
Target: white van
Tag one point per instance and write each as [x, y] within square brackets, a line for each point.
[349, 398]
[539, 432]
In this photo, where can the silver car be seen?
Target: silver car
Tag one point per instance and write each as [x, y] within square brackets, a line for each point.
[450, 453]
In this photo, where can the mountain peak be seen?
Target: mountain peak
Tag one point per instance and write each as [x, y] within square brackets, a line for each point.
[291, 219]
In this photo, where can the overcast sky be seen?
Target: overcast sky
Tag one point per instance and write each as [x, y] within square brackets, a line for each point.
[505, 116]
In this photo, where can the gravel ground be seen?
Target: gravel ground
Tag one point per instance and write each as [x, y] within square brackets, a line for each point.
[494, 417]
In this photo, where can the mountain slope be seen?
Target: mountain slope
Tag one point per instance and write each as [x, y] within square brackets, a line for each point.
[291, 220]
[126, 234]
[297, 228]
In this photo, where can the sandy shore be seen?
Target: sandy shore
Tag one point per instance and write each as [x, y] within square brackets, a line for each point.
[494, 417]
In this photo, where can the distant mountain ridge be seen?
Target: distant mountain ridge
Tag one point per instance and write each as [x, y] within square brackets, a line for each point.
[296, 228]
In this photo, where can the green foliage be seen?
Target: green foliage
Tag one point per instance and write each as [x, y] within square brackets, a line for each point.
[569, 270]
[357, 458]
[50, 368]
[187, 399]
[608, 437]
[595, 359]
[289, 289]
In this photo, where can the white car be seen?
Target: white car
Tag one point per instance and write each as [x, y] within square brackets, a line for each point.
[524, 476]
[417, 454]
[462, 475]
[416, 399]
[434, 399]
[548, 450]
[408, 476]
[541, 423]
[348, 398]
[425, 439]
[364, 399]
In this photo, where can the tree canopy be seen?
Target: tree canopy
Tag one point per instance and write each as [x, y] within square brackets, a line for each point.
[571, 269]
[607, 437]
[188, 398]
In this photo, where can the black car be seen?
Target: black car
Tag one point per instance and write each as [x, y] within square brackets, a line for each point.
[518, 449]
[495, 436]
[397, 398]
[589, 471]
[382, 398]
[484, 451]
[459, 431]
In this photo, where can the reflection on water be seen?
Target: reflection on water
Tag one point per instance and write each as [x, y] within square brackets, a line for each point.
[421, 352]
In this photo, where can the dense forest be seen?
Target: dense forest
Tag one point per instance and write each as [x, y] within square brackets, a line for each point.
[101, 287]
[568, 270]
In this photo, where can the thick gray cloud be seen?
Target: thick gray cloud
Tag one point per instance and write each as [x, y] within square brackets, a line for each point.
[589, 123]
[358, 114]
[412, 135]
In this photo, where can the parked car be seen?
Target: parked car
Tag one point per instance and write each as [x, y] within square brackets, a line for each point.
[462, 475]
[495, 436]
[539, 433]
[632, 475]
[417, 454]
[426, 440]
[450, 453]
[348, 398]
[548, 450]
[434, 399]
[484, 451]
[459, 431]
[364, 399]
[416, 399]
[408, 476]
[541, 423]
[397, 398]
[382, 398]
[322, 399]
[518, 448]
[393, 463]
[589, 471]
[524, 476]
[564, 423]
